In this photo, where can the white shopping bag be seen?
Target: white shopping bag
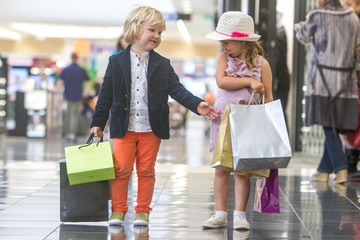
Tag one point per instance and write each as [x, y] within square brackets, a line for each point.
[259, 136]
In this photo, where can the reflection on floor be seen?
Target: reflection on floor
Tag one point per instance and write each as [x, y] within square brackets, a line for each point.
[183, 197]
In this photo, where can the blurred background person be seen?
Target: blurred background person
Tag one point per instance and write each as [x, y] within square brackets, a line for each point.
[121, 44]
[72, 78]
[331, 96]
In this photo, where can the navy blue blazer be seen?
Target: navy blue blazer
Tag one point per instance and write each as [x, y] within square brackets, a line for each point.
[115, 95]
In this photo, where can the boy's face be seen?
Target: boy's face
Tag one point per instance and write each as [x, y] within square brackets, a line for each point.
[233, 48]
[150, 36]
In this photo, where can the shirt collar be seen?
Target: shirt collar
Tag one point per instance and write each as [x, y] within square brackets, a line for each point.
[135, 55]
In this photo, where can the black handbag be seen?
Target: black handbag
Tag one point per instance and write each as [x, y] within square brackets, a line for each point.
[86, 202]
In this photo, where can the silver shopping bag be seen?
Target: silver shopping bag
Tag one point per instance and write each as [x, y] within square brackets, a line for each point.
[259, 136]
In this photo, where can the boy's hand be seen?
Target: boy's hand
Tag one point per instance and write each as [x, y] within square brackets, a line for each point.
[97, 131]
[207, 111]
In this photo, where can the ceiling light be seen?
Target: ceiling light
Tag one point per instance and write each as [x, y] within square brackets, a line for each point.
[7, 34]
[67, 31]
[60, 63]
[183, 30]
[186, 6]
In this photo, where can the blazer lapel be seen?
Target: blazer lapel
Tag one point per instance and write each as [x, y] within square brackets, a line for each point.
[154, 62]
[124, 62]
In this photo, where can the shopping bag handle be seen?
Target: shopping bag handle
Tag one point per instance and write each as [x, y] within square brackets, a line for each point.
[90, 141]
[250, 99]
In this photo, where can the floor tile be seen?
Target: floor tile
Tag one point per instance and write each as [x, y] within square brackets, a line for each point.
[183, 197]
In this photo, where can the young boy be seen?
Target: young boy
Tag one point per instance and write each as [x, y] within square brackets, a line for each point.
[135, 90]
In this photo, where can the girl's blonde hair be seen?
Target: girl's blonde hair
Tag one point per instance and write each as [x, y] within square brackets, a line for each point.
[135, 21]
[252, 49]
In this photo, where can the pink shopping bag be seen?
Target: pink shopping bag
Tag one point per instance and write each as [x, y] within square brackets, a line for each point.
[267, 193]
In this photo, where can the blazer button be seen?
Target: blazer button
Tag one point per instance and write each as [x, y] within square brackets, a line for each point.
[125, 95]
[126, 109]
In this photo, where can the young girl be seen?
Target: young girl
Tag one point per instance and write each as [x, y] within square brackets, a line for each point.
[241, 69]
[135, 91]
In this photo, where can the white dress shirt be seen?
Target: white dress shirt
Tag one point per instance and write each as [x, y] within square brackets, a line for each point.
[139, 114]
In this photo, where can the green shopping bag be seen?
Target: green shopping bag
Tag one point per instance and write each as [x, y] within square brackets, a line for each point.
[92, 162]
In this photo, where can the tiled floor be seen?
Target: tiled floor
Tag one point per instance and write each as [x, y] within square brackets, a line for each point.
[183, 197]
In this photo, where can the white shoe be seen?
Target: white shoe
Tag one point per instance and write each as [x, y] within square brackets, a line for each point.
[215, 221]
[240, 223]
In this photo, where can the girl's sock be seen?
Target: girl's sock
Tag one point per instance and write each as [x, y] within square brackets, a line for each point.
[241, 214]
[221, 214]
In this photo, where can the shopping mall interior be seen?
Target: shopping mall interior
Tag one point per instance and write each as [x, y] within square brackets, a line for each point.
[36, 40]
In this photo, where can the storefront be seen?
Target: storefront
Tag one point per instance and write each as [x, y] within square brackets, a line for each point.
[194, 61]
[3, 97]
[32, 102]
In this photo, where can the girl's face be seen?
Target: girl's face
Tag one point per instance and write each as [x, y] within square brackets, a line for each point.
[150, 36]
[233, 48]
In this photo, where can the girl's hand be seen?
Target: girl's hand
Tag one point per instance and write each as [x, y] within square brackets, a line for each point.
[206, 110]
[97, 131]
[257, 86]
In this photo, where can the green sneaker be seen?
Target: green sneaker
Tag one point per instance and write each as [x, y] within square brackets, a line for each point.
[141, 219]
[117, 218]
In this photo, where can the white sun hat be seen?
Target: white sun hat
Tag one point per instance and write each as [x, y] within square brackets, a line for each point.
[234, 25]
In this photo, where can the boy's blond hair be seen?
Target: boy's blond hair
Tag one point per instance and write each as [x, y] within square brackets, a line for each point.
[135, 21]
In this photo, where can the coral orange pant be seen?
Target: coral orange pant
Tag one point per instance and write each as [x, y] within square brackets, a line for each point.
[144, 148]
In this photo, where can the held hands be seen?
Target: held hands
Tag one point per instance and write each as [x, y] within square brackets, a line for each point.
[257, 86]
[203, 108]
[97, 131]
[207, 111]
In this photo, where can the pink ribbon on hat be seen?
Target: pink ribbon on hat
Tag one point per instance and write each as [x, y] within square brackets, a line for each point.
[235, 34]
[239, 34]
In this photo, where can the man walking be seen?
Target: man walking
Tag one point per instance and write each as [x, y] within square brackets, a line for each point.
[72, 78]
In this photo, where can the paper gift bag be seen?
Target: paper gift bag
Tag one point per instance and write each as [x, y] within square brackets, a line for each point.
[83, 202]
[259, 136]
[89, 163]
[267, 193]
[223, 156]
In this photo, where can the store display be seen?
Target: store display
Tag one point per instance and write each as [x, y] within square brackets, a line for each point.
[16, 112]
[31, 95]
[35, 100]
[3, 99]
[16, 78]
[36, 123]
